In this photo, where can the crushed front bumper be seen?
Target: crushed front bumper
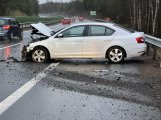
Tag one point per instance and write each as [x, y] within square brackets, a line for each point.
[25, 53]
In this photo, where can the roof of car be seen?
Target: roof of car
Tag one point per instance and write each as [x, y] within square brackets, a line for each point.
[66, 18]
[94, 23]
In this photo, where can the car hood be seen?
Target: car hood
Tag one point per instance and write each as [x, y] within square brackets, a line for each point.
[42, 28]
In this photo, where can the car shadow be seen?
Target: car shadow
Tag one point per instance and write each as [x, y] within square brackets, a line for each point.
[100, 61]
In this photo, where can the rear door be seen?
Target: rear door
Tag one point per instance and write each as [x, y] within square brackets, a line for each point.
[16, 28]
[97, 40]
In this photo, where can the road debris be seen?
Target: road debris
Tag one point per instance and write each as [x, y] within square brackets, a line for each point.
[101, 70]
[11, 59]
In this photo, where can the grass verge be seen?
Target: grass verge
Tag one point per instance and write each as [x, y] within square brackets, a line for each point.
[35, 19]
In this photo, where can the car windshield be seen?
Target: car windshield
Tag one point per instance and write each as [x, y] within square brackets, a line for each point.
[60, 30]
[123, 28]
[2, 22]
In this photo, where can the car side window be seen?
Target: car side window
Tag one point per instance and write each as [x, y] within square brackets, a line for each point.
[13, 22]
[109, 31]
[16, 23]
[74, 32]
[96, 30]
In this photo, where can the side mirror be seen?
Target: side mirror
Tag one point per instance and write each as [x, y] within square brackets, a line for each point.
[60, 35]
[51, 33]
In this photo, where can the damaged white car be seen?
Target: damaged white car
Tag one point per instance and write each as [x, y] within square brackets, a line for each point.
[84, 41]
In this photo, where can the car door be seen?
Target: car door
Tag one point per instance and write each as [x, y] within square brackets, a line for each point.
[13, 28]
[97, 40]
[70, 44]
[16, 28]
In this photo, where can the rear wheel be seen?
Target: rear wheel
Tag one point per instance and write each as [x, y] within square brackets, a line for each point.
[21, 35]
[115, 54]
[11, 36]
[40, 55]
[1, 38]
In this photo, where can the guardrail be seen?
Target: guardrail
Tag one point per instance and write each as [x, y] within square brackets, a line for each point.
[27, 24]
[150, 40]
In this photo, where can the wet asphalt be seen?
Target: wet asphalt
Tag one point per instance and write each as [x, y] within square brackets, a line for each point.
[70, 89]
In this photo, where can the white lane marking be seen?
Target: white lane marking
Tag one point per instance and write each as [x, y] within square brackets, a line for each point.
[10, 100]
[10, 46]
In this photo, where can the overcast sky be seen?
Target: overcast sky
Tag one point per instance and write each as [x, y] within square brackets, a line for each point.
[44, 1]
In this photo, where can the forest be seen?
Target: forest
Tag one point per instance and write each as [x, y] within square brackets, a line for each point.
[28, 7]
[141, 15]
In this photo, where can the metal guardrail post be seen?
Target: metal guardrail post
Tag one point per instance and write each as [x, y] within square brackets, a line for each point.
[155, 53]
[25, 25]
[148, 49]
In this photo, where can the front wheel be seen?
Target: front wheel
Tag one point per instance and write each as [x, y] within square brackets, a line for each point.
[115, 54]
[40, 55]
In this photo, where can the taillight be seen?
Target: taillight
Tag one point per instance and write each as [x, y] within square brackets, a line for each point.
[140, 40]
[68, 20]
[6, 27]
[62, 20]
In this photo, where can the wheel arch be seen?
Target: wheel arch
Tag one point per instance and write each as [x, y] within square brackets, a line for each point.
[115, 46]
[40, 46]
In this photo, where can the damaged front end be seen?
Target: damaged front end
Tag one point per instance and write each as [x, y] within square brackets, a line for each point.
[25, 53]
[39, 32]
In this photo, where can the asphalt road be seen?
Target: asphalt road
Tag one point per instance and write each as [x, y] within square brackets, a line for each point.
[71, 89]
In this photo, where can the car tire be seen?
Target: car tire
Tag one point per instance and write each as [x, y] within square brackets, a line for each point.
[1, 38]
[116, 54]
[40, 55]
[21, 35]
[11, 36]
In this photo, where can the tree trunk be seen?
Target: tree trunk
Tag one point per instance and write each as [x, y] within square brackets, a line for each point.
[155, 18]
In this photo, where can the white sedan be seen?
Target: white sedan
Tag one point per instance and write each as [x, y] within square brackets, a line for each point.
[85, 41]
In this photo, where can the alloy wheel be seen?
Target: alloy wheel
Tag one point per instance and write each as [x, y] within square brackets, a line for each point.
[40, 55]
[116, 55]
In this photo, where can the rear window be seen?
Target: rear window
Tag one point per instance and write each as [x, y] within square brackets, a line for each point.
[2, 22]
[96, 31]
[125, 29]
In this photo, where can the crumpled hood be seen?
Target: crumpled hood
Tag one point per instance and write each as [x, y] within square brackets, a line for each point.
[42, 28]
